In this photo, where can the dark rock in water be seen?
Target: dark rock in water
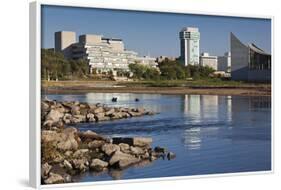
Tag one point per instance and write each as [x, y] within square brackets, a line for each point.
[159, 149]
[136, 141]
[137, 100]
[114, 99]
[171, 155]
[90, 135]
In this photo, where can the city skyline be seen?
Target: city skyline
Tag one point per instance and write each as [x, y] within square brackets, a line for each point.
[150, 37]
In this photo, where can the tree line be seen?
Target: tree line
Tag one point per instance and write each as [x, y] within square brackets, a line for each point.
[55, 67]
[170, 70]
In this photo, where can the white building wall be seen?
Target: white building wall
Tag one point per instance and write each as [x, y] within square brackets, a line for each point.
[190, 49]
[210, 61]
[224, 62]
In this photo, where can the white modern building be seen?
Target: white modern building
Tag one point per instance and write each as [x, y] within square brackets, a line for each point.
[147, 60]
[103, 54]
[189, 46]
[209, 60]
[224, 62]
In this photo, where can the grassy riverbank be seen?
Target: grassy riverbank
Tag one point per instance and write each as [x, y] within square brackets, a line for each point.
[208, 86]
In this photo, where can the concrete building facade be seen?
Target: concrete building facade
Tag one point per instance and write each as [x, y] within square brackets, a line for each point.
[248, 62]
[224, 62]
[189, 46]
[208, 60]
[63, 42]
[103, 54]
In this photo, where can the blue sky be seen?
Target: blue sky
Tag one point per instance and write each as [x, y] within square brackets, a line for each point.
[151, 33]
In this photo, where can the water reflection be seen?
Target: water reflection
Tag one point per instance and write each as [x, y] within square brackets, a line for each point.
[206, 107]
[206, 132]
[192, 138]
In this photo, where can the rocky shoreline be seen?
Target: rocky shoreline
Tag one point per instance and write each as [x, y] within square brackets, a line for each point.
[66, 151]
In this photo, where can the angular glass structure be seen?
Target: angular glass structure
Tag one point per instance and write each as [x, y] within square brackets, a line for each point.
[248, 62]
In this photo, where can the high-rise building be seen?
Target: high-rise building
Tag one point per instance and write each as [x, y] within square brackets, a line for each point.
[189, 46]
[63, 42]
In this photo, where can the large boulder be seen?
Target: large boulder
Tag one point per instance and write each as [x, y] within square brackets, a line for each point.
[54, 178]
[122, 160]
[124, 147]
[117, 115]
[75, 110]
[98, 165]
[135, 141]
[49, 136]
[54, 115]
[108, 149]
[67, 165]
[90, 136]
[140, 110]
[69, 144]
[96, 144]
[66, 140]
[137, 150]
[110, 111]
[67, 118]
[78, 118]
[80, 153]
[101, 117]
[98, 110]
[90, 117]
[47, 124]
[80, 164]
[60, 108]
[45, 169]
[44, 106]
[134, 114]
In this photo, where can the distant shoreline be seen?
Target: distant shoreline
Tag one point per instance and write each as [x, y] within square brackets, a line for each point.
[78, 87]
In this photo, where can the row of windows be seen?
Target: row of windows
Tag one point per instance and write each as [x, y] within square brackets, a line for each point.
[259, 61]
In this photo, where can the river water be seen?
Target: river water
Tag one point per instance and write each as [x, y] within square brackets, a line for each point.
[209, 134]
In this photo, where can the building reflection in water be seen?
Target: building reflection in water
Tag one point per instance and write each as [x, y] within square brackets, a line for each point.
[204, 112]
[207, 107]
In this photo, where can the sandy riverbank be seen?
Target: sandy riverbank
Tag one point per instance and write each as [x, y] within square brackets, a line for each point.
[76, 87]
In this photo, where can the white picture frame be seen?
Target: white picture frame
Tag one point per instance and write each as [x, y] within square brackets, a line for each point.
[35, 93]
